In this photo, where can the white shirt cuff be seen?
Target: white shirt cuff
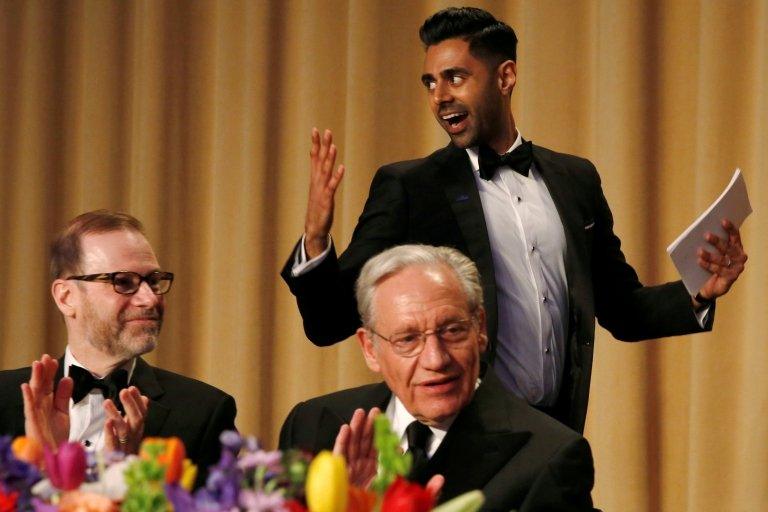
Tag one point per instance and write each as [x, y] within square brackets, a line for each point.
[300, 263]
[702, 316]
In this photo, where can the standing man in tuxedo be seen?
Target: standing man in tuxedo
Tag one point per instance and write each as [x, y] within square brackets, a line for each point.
[535, 222]
[424, 332]
[111, 290]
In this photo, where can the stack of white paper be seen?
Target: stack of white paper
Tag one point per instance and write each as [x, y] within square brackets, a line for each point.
[733, 204]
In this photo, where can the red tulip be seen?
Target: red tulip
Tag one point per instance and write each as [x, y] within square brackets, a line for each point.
[294, 506]
[404, 496]
[8, 501]
[66, 467]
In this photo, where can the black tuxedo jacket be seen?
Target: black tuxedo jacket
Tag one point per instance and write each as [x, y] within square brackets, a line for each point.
[179, 406]
[435, 201]
[519, 457]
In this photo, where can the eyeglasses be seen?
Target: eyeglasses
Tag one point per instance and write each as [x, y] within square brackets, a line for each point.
[411, 343]
[126, 283]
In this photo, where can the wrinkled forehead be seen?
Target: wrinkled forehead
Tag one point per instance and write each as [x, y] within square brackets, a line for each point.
[418, 290]
[117, 250]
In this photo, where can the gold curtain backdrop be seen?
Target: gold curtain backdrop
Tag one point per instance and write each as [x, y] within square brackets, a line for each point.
[195, 117]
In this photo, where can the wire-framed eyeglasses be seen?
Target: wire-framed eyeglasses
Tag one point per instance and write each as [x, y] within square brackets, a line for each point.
[411, 343]
[127, 283]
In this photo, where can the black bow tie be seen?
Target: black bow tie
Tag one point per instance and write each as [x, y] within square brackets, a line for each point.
[519, 160]
[110, 386]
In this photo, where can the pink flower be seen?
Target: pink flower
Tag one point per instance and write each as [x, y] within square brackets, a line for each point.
[66, 467]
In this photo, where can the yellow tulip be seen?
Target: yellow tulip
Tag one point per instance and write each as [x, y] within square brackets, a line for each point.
[327, 483]
[188, 475]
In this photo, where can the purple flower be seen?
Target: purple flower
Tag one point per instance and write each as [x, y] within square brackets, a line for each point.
[231, 440]
[252, 444]
[261, 458]
[16, 475]
[39, 505]
[181, 500]
[260, 502]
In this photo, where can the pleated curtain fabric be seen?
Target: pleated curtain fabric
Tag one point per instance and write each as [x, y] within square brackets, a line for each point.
[195, 117]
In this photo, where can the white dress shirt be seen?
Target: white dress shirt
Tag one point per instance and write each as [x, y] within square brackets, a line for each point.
[86, 418]
[399, 418]
[528, 248]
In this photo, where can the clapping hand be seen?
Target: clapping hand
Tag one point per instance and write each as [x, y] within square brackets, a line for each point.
[46, 412]
[124, 433]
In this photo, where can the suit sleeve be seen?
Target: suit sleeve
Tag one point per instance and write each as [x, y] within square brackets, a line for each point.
[566, 482]
[325, 295]
[629, 310]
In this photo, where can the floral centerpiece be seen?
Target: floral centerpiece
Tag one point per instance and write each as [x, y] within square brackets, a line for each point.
[246, 478]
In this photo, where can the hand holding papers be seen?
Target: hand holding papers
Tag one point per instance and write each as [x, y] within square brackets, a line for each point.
[720, 268]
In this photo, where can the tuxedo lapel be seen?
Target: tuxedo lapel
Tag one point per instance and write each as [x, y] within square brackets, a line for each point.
[455, 175]
[481, 438]
[144, 378]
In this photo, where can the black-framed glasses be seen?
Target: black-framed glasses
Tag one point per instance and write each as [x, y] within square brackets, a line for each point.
[411, 343]
[126, 282]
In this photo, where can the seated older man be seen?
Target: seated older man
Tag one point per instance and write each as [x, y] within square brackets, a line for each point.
[424, 332]
[111, 290]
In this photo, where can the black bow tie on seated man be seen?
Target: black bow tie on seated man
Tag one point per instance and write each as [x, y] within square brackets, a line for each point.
[418, 435]
[519, 160]
[110, 386]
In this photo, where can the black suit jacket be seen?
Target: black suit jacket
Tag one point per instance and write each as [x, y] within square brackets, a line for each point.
[179, 406]
[434, 200]
[519, 457]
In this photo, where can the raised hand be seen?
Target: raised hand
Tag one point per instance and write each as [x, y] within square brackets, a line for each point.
[46, 413]
[725, 265]
[355, 443]
[323, 183]
[125, 433]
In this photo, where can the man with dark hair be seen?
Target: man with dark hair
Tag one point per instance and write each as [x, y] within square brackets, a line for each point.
[424, 332]
[110, 290]
[534, 221]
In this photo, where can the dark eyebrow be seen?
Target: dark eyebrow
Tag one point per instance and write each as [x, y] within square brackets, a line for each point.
[426, 77]
[454, 71]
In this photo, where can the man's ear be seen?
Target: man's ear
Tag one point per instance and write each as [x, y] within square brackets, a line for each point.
[483, 338]
[369, 350]
[64, 295]
[507, 76]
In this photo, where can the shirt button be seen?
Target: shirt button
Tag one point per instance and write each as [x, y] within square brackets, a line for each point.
[544, 300]
[519, 199]
[546, 350]
[533, 248]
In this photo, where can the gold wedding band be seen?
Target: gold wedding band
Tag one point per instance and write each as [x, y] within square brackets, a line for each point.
[122, 440]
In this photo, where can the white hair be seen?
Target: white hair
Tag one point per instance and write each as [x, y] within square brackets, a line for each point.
[399, 258]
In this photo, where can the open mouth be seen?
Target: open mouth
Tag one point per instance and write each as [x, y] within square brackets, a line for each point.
[454, 122]
[454, 118]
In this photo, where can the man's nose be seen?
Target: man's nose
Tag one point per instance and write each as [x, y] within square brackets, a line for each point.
[441, 93]
[145, 297]
[434, 356]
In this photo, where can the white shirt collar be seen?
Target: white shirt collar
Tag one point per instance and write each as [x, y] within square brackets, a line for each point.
[400, 418]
